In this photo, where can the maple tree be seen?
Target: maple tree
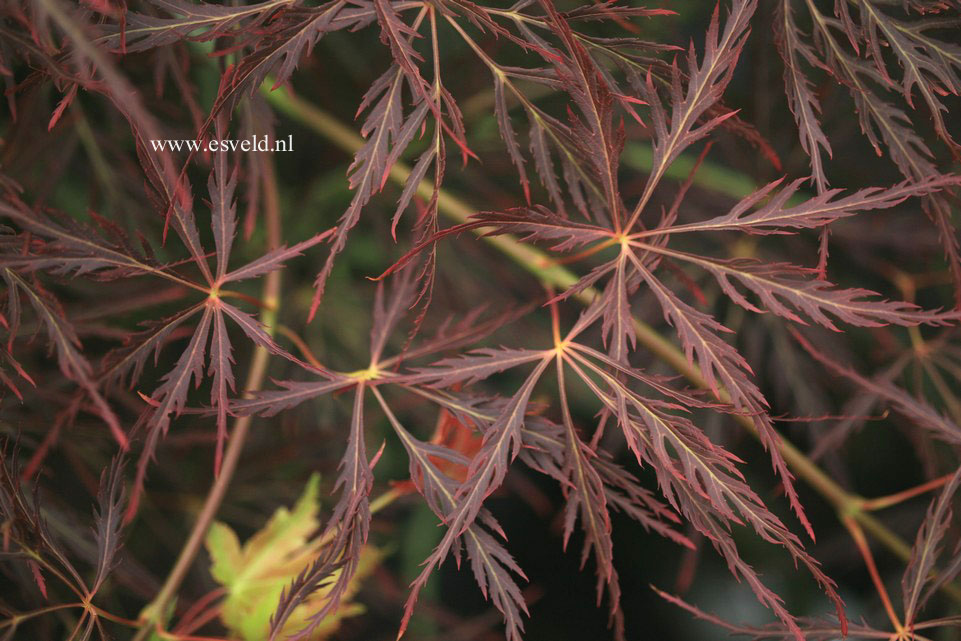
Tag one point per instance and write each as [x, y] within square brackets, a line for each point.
[658, 302]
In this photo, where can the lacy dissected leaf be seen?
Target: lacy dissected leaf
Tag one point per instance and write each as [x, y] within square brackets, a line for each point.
[128, 362]
[540, 133]
[814, 629]
[170, 397]
[598, 139]
[502, 442]
[295, 580]
[166, 187]
[916, 584]
[389, 311]
[702, 482]
[929, 64]
[474, 366]
[581, 177]
[387, 314]
[491, 563]
[274, 259]
[346, 533]
[705, 85]
[617, 327]
[398, 35]
[272, 402]
[221, 185]
[877, 117]
[387, 131]
[281, 44]
[74, 249]
[912, 408]
[26, 534]
[355, 479]
[803, 102]
[197, 21]
[778, 215]
[221, 368]
[492, 566]
[663, 385]
[722, 365]
[587, 501]
[464, 331]
[637, 59]
[546, 450]
[109, 521]
[64, 341]
[533, 224]
[780, 284]
[509, 135]
[539, 224]
[609, 10]
[255, 573]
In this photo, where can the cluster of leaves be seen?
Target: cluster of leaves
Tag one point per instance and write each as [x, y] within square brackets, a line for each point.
[590, 410]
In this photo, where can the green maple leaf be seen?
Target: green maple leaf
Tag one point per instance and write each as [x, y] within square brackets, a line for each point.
[255, 573]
